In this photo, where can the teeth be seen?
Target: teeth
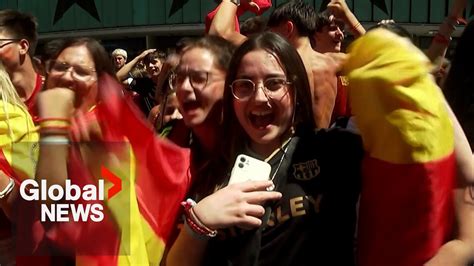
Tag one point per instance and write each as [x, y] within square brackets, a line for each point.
[262, 113]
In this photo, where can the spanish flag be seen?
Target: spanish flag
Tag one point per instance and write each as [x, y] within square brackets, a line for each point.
[146, 178]
[406, 207]
[154, 179]
[158, 177]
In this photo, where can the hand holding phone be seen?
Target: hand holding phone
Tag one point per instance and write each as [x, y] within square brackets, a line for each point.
[247, 168]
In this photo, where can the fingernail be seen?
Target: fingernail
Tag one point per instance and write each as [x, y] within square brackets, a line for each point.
[271, 187]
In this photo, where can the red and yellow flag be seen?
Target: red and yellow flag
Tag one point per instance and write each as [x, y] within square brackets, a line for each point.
[153, 178]
[406, 207]
[158, 177]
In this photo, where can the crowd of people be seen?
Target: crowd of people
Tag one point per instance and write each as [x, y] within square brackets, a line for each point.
[370, 149]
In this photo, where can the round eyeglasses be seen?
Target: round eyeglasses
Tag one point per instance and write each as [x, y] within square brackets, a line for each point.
[78, 72]
[197, 79]
[243, 89]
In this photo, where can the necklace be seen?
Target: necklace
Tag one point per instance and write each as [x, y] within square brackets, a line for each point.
[286, 145]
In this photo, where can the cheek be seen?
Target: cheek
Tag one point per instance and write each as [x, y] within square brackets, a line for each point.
[88, 89]
[239, 111]
[7, 55]
[179, 94]
[286, 104]
[213, 94]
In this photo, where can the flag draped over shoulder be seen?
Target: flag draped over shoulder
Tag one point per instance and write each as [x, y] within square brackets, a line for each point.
[18, 154]
[18, 142]
[406, 207]
[18, 151]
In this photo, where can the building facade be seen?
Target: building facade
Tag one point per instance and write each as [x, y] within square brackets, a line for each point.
[159, 23]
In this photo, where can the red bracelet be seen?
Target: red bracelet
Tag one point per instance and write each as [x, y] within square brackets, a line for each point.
[440, 38]
[53, 119]
[193, 221]
[66, 128]
[54, 130]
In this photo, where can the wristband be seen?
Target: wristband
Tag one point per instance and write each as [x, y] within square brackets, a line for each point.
[54, 140]
[67, 120]
[7, 189]
[356, 26]
[54, 130]
[440, 38]
[451, 22]
[193, 222]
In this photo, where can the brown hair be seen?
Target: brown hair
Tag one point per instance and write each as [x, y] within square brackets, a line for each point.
[20, 26]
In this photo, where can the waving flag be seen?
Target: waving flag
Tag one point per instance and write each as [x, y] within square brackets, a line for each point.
[152, 178]
[406, 209]
[158, 177]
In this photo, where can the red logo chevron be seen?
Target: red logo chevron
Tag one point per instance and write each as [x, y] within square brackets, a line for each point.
[115, 180]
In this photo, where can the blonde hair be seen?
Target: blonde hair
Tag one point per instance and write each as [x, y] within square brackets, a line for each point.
[9, 97]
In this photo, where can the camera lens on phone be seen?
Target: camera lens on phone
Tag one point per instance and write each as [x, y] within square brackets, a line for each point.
[242, 159]
[241, 165]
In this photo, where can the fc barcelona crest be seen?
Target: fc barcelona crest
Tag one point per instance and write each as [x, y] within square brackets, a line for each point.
[307, 170]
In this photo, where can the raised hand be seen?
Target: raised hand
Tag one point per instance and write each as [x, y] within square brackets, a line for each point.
[56, 103]
[338, 8]
[145, 53]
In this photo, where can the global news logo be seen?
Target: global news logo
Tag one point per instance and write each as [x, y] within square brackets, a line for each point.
[64, 206]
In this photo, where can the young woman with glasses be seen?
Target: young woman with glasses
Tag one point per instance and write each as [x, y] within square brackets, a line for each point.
[198, 81]
[199, 84]
[310, 214]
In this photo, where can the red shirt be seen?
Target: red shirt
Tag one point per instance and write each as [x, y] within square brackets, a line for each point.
[342, 105]
[31, 101]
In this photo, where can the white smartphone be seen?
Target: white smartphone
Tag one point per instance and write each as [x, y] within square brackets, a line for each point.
[247, 168]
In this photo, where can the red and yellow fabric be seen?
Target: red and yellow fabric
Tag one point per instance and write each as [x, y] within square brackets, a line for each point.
[138, 219]
[18, 150]
[406, 207]
[154, 180]
[18, 138]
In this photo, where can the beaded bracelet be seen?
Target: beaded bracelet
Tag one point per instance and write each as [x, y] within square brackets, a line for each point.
[193, 221]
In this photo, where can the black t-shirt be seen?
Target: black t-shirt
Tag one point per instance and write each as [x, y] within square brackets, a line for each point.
[314, 222]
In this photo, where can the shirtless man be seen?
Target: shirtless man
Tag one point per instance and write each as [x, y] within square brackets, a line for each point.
[296, 21]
